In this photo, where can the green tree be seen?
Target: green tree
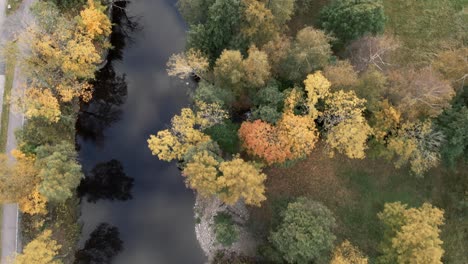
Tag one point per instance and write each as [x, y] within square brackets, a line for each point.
[305, 233]
[411, 235]
[221, 30]
[258, 25]
[59, 171]
[194, 11]
[310, 51]
[453, 122]
[282, 10]
[225, 134]
[351, 19]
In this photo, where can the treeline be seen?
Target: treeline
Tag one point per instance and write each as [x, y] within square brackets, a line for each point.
[58, 55]
[370, 78]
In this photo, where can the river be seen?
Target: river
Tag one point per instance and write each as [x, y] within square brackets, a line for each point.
[143, 198]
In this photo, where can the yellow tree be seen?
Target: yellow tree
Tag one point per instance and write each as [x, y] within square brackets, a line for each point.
[412, 235]
[18, 180]
[418, 144]
[187, 63]
[298, 133]
[346, 253]
[209, 114]
[40, 103]
[173, 143]
[34, 204]
[241, 180]
[201, 173]
[94, 21]
[229, 70]
[42, 250]
[317, 87]
[347, 129]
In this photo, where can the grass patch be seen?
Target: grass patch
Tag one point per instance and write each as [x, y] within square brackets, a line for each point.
[356, 190]
[14, 5]
[10, 66]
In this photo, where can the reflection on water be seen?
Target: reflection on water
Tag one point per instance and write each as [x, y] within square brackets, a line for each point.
[108, 181]
[134, 98]
[103, 245]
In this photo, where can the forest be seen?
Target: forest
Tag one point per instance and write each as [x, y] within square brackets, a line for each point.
[341, 126]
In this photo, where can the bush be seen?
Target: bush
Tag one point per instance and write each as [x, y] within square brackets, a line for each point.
[225, 229]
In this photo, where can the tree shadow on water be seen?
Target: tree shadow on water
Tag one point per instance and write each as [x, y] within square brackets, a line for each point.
[103, 245]
[106, 181]
[110, 88]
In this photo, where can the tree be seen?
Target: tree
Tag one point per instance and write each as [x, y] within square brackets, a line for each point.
[346, 128]
[375, 51]
[34, 204]
[298, 133]
[209, 93]
[241, 180]
[261, 139]
[40, 103]
[277, 51]
[256, 67]
[371, 86]
[59, 171]
[317, 87]
[419, 93]
[209, 114]
[453, 122]
[411, 235]
[452, 64]
[194, 11]
[417, 144]
[202, 173]
[229, 71]
[229, 180]
[221, 30]
[305, 232]
[185, 64]
[18, 180]
[341, 75]
[42, 250]
[93, 20]
[225, 134]
[282, 10]
[346, 253]
[350, 19]
[173, 143]
[259, 25]
[310, 51]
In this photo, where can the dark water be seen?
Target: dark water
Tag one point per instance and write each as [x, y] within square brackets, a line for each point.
[135, 206]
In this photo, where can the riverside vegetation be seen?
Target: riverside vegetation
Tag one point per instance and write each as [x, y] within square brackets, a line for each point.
[341, 124]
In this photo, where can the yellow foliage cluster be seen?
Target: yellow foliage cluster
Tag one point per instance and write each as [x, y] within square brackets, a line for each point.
[41, 103]
[413, 234]
[34, 204]
[42, 250]
[347, 129]
[170, 144]
[346, 253]
[230, 180]
[209, 114]
[94, 21]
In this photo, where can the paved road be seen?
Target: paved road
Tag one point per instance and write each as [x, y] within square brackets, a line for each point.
[9, 29]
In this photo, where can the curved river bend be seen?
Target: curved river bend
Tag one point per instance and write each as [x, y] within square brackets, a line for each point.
[144, 198]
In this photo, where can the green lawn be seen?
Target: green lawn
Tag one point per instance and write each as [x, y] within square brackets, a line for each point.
[356, 190]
